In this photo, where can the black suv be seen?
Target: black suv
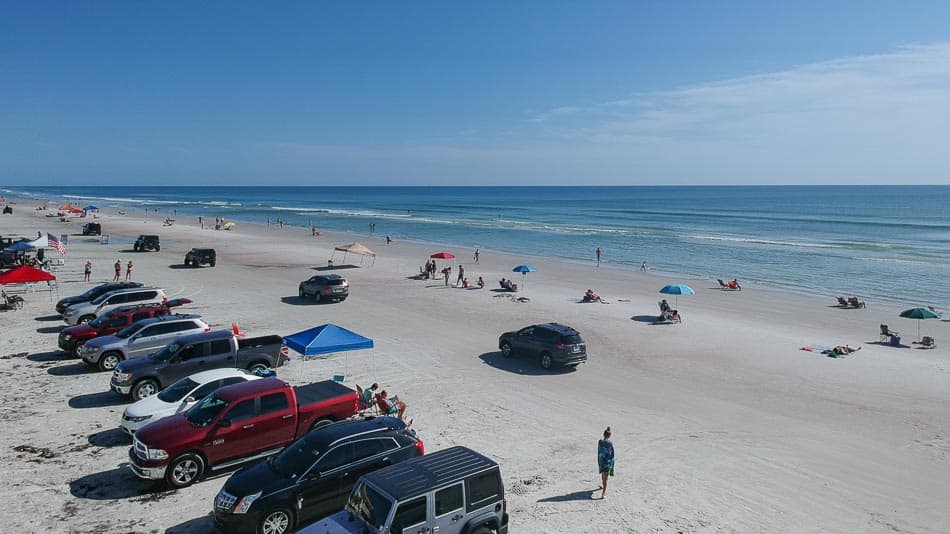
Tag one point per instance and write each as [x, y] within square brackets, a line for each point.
[552, 343]
[147, 242]
[200, 256]
[312, 477]
[453, 491]
[325, 287]
[92, 229]
[92, 294]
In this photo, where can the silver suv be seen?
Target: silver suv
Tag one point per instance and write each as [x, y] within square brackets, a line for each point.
[453, 491]
[325, 287]
[139, 339]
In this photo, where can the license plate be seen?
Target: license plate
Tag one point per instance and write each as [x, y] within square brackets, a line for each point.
[576, 348]
[337, 290]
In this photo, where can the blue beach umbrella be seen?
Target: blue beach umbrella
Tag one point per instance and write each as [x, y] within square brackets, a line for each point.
[90, 208]
[918, 313]
[677, 290]
[524, 270]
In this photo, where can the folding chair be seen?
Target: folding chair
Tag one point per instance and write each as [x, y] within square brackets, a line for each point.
[887, 334]
[365, 408]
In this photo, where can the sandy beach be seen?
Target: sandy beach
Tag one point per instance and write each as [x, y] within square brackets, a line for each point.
[721, 423]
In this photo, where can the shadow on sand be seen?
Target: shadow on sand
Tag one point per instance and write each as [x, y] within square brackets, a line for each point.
[118, 483]
[114, 437]
[51, 356]
[73, 369]
[48, 318]
[583, 495]
[518, 365]
[336, 267]
[97, 400]
[297, 301]
[199, 524]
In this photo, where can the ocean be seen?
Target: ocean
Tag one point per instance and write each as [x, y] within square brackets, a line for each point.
[881, 243]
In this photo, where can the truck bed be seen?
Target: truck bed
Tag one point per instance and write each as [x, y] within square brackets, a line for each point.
[256, 342]
[320, 391]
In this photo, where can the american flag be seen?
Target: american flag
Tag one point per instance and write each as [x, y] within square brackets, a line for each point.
[56, 243]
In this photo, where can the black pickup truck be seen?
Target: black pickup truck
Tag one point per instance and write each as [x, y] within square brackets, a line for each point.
[187, 355]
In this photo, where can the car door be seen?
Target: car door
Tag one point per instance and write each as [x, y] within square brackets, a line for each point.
[321, 489]
[233, 435]
[147, 340]
[310, 286]
[411, 516]
[220, 354]
[369, 455]
[277, 420]
[522, 342]
[449, 509]
[189, 360]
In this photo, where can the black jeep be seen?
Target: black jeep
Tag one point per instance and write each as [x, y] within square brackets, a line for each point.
[201, 256]
[147, 242]
[92, 229]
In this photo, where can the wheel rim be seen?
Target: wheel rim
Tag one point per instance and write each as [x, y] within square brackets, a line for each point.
[109, 362]
[257, 367]
[506, 350]
[276, 523]
[300, 293]
[185, 471]
[546, 361]
[145, 390]
[85, 319]
[76, 351]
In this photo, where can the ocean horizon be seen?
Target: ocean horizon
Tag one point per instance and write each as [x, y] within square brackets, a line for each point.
[881, 243]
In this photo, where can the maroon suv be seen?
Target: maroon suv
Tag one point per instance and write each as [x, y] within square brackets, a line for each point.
[70, 339]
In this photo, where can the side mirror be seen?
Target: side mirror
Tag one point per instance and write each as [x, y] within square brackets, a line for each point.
[190, 400]
[224, 422]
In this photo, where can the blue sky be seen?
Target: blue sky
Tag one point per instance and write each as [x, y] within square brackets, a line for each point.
[490, 93]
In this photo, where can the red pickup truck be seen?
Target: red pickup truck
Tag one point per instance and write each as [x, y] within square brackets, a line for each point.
[73, 337]
[233, 425]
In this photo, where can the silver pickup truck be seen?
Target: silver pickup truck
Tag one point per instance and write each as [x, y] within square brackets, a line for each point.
[139, 339]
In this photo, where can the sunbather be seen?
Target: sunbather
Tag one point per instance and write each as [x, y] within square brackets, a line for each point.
[734, 284]
[481, 282]
[844, 349]
[675, 316]
[590, 296]
[390, 407]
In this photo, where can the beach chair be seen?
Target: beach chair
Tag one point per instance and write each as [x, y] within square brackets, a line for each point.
[928, 342]
[887, 334]
[842, 303]
[364, 407]
[14, 302]
[854, 302]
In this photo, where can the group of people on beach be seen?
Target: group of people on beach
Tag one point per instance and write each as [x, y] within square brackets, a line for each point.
[668, 314]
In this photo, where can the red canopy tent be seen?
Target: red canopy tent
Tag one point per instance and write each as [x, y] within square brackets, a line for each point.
[25, 274]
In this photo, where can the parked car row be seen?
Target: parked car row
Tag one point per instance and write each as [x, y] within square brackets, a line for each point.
[209, 401]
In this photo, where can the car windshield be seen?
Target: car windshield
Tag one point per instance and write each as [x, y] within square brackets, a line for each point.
[100, 321]
[178, 390]
[204, 412]
[572, 340]
[369, 505]
[295, 459]
[101, 298]
[166, 353]
[92, 293]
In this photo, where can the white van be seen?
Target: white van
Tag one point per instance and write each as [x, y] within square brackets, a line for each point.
[84, 312]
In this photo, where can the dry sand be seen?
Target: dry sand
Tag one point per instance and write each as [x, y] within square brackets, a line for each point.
[721, 424]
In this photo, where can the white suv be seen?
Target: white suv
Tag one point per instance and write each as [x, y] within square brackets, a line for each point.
[84, 312]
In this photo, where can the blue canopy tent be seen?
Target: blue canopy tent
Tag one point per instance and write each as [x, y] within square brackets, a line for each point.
[90, 208]
[20, 246]
[327, 339]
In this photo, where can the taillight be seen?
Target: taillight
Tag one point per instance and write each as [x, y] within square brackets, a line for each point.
[421, 447]
[327, 288]
[207, 329]
[560, 346]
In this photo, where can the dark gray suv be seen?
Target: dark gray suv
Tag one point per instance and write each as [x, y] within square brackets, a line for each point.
[325, 287]
[551, 343]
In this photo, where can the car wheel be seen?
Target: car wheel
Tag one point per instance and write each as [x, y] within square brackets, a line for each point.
[144, 388]
[317, 297]
[157, 248]
[277, 521]
[75, 350]
[211, 264]
[483, 530]
[546, 361]
[301, 293]
[256, 367]
[184, 471]
[86, 318]
[109, 360]
[506, 349]
[135, 248]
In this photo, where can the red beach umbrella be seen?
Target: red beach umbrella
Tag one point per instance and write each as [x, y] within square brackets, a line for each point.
[25, 274]
[443, 256]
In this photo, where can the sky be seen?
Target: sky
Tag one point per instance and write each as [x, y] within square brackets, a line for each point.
[477, 93]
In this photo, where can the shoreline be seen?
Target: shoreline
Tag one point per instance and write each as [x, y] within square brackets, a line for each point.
[721, 423]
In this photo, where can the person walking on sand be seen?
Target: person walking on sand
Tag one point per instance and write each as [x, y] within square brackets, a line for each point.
[597, 252]
[477, 254]
[605, 460]
[643, 266]
[461, 275]
[128, 270]
[87, 271]
[118, 270]
[388, 240]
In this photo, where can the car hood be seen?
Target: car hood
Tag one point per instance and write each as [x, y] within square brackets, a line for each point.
[137, 365]
[68, 301]
[152, 405]
[74, 309]
[254, 478]
[103, 341]
[79, 330]
[174, 430]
